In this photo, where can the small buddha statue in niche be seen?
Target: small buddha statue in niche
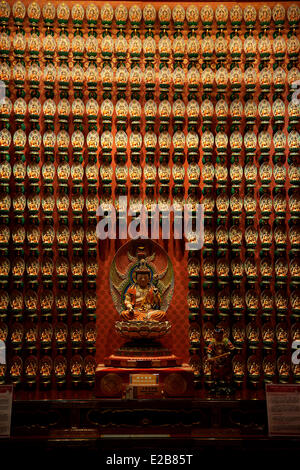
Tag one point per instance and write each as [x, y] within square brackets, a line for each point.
[142, 298]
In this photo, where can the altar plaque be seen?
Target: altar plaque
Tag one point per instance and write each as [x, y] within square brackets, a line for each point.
[145, 385]
[144, 379]
[283, 405]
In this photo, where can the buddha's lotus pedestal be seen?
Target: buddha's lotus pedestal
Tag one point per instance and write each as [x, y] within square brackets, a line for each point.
[142, 329]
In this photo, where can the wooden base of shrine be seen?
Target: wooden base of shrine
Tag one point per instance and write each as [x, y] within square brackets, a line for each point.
[137, 354]
[153, 382]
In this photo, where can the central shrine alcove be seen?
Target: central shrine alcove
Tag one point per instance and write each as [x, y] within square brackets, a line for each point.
[177, 312]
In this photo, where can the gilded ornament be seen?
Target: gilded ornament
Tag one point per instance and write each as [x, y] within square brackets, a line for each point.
[77, 14]
[18, 11]
[250, 15]
[221, 47]
[293, 46]
[149, 15]
[164, 15]
[207, 15]
[92, 140]
[121, 15]
[106, 14]
[250, 46]
[135, 15]
[49, 46]
[92, 13]
[34, 139]
[49, 12]
[222, 110]
[221, 15]
[5, 11]
[279, 79]
[236, 15]
[178, 16]
[193, 47]
[192, 15]
[265, 15]
[235, 47]
[293, 14]
[63, 13]
[278, 14]
[77, 140]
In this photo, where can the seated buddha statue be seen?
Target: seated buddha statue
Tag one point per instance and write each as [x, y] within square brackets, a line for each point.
[142, 298]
